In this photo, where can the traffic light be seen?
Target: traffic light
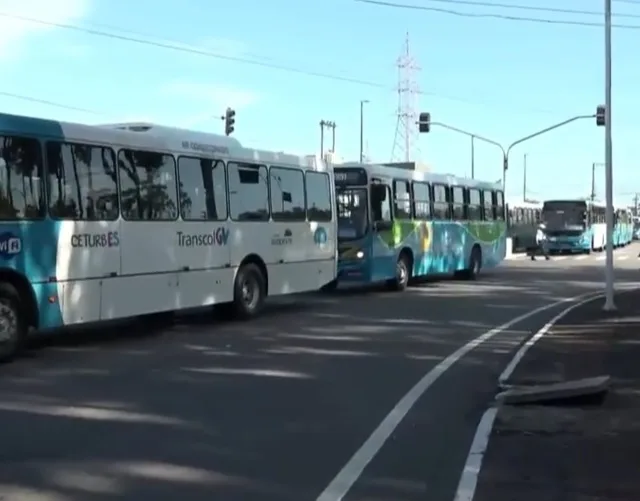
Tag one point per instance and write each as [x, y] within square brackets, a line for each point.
[600, 115]
[424, 122]
[229, 121]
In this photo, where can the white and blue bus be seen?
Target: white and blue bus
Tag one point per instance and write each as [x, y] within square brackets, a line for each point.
[576, 226]
[395, 224]
[108, 222]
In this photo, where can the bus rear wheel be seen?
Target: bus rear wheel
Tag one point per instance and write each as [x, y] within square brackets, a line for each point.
[249, 292]
[403, 274]
[13, 325]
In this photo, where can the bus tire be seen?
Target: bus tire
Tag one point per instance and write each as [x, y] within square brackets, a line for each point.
[13, 323]
[403, 273]
[249, 291]
[475, 264]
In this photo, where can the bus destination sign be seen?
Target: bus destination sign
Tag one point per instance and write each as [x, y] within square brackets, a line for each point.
[350, 176]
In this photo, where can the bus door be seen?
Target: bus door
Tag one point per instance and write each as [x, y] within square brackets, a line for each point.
[383, 248]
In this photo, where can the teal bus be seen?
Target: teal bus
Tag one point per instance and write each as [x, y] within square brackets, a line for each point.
[395, 224]
[574, 226]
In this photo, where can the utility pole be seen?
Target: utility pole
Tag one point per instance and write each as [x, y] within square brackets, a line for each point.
[524, 178]
[405, 141]
[325, 124]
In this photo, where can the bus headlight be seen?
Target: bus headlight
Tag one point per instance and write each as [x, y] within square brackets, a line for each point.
[360, 254]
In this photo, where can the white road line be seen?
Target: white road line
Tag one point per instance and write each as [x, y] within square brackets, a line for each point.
[473, 465]
[580, 258]
[560, 258]
[601, 258]
[622, 258]
[349, 474]
[469, 479]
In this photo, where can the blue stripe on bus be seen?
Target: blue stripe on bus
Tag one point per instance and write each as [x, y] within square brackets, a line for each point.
[37, 258]
[36, 261]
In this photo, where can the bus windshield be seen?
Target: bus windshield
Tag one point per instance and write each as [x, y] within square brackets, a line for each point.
[561, 215]
[352, 213]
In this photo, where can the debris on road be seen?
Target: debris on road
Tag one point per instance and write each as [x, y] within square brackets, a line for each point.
[555, 392]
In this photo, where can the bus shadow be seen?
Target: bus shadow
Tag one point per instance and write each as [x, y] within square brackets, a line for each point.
[151, 326]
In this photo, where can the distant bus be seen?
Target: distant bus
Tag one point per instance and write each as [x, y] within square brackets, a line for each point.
[522, 223]
[623, 228]
[574, 225]
[114, 221]
[395, 224]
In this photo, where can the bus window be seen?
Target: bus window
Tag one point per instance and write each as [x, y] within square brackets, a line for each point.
[488, 205]
[402, 200]
[498, 205]
[148, 187]
[475, 209]
[440, 202]
[380, 202]
[421, 200]
[248, 192]
[203, 189]
[287, 194]
[458, 203]
[318, 190]
[21, 179]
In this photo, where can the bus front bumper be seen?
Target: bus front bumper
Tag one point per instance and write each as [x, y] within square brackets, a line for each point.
[560, 244]
[353, 270]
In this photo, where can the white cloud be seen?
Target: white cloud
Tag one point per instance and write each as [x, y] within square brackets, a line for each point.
[215, 97]
[14, 31]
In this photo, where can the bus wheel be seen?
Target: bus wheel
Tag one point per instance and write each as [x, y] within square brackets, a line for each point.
[249, 292]
[13, 325]
[403, 273]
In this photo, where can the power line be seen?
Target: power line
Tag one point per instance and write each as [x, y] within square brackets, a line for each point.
[487, 15]
[49, 103]
[530, 8]
[174, 46]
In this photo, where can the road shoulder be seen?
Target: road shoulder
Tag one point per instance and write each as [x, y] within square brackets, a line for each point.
[583, 452]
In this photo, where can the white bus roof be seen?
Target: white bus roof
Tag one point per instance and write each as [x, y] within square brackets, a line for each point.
[148, 136]
[386, 171]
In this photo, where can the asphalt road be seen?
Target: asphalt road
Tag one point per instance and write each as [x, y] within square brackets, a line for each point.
[274, 409]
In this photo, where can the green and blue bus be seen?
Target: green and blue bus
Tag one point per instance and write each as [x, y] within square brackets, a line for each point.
[395, 224]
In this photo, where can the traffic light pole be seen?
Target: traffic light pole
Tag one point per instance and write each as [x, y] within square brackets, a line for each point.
[609, 279]
[506, 151]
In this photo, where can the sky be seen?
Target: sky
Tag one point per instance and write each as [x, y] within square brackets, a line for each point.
[284, 65]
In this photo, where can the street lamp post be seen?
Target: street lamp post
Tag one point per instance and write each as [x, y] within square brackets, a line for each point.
[609, 304]
[473, 157]
[524, 178]
[362, 103]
